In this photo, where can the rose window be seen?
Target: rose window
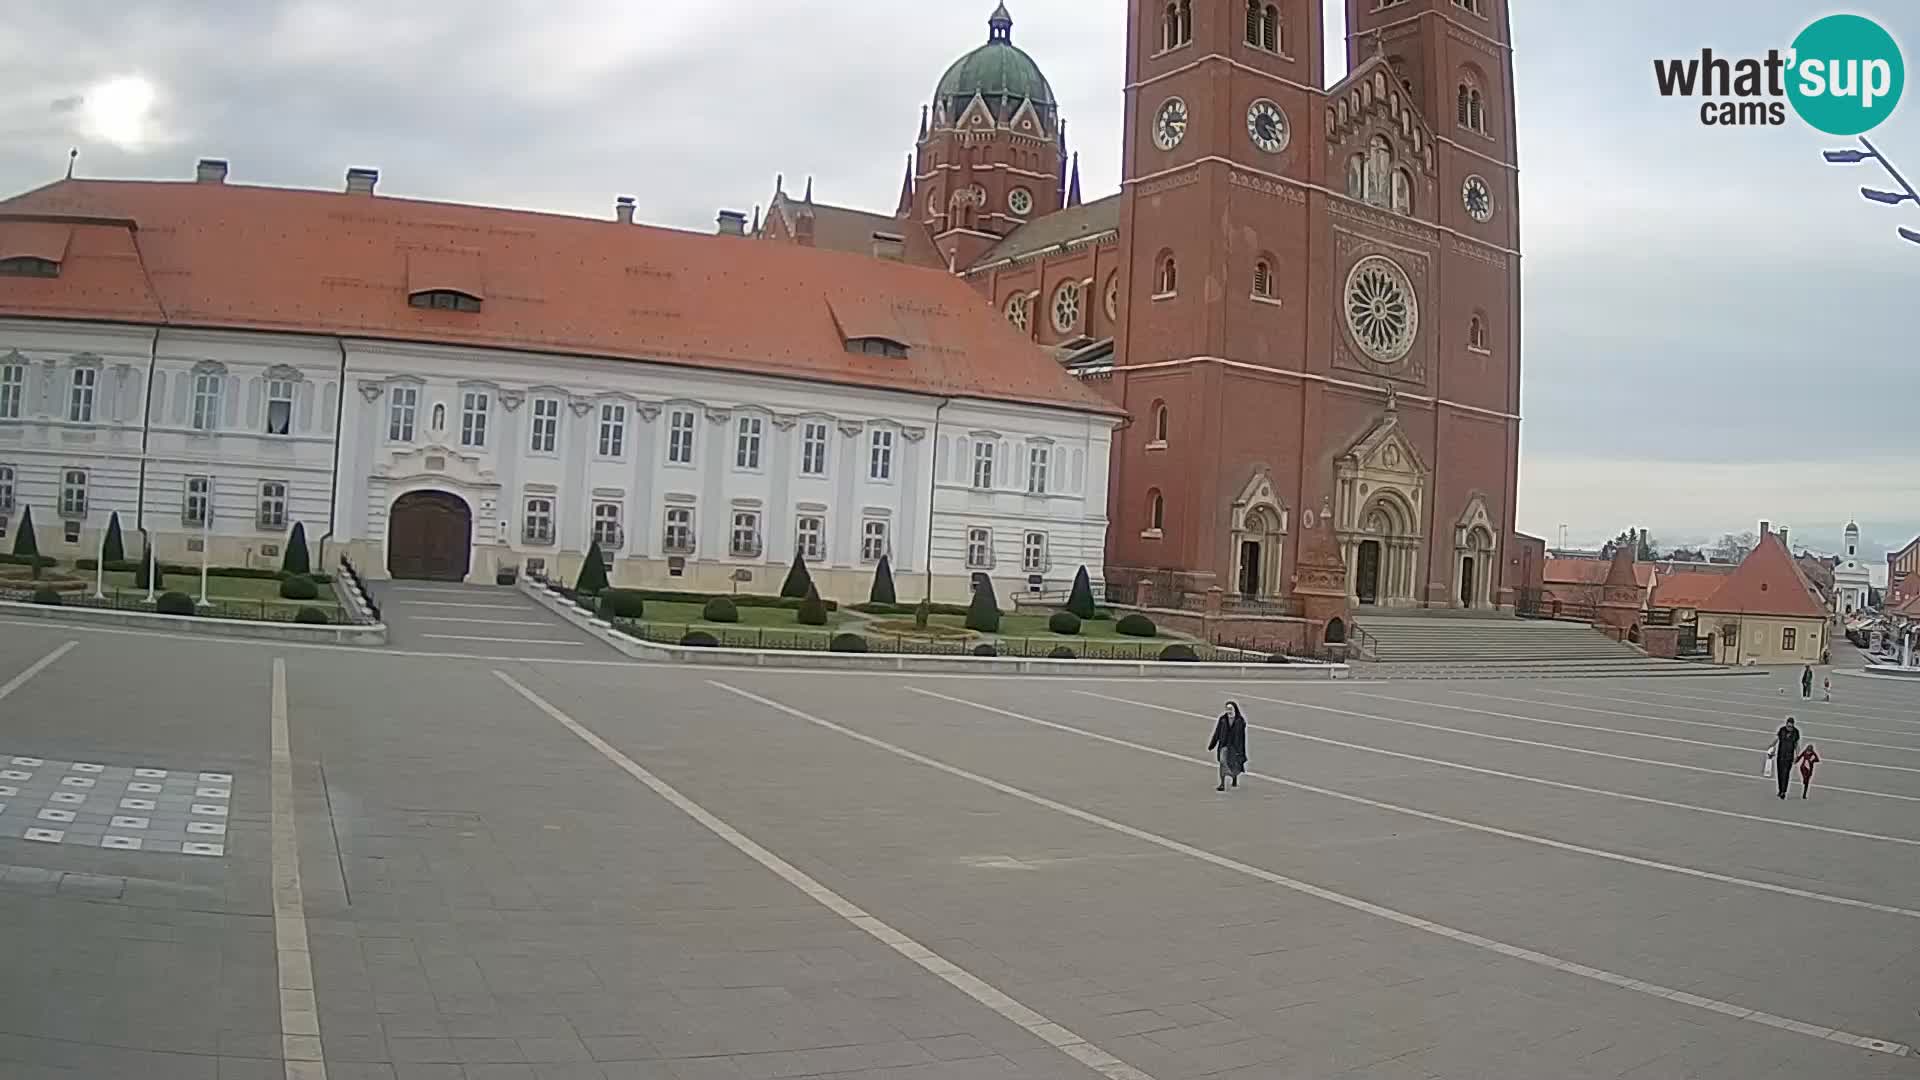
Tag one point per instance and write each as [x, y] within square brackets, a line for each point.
[1382, 314]
[1066, 307]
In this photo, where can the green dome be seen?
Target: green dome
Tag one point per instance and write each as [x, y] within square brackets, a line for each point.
[998, 71]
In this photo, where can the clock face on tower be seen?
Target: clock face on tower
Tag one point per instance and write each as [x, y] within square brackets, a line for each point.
[1478, 199]
[1267, 126]
[1170, 124]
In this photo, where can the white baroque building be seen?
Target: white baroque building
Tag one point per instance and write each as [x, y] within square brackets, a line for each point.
[1852, 581]
[443, 391]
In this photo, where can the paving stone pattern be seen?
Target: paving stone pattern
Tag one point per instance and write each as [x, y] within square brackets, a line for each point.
[126, 808]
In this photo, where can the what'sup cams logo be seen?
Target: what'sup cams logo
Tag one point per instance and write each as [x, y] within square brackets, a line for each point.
[1843, 75]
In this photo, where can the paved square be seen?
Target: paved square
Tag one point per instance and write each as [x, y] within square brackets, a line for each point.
[89, 800]
[530, 868]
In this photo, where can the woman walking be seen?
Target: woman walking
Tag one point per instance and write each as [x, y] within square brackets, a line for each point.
[1229, 745]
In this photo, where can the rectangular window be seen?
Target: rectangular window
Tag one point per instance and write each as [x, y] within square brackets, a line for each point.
[813, 450]
[73, 493]
[746, 534]
[206, 401]
[1789, 637]
[613, 430]
[746, 452]
[273, 504]
[80, 405]
[1033, 553]
[680, 437]
[1039, 461]
[473, 419]
[199, 499]
[979, 549]
[279, 406]
[13, 389]
[72, 531]
[402, 403]
[679, 539]
[546, 425]
[538, 528]
[6, 489]
[606, 525]
[873, 541]
[880, 461]
[983, 465]
[811, 537]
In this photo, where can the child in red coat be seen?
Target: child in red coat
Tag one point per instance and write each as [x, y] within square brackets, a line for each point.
[1807, 759]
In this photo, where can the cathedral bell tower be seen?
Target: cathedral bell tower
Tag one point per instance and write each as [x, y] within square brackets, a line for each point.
[992, 149]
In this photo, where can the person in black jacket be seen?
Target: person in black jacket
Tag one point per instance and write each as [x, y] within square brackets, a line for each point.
[1786, 746]
[1806, 682]
[1229, 745]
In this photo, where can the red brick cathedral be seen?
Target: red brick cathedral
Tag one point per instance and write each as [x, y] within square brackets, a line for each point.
[1306, 297]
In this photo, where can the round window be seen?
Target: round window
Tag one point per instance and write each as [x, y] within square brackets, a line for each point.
[1017, 312]
[1382, 313]
[1020, 201]
[1066, 307]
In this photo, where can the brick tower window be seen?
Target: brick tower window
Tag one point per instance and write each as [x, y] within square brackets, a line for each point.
[1477, 333]
[1263, 279]
[1470, 109]
[1263, 26]
[1177, 28]
[1156, 511]
[1167, 280]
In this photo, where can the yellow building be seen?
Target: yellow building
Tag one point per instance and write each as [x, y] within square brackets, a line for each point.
[1766, 612]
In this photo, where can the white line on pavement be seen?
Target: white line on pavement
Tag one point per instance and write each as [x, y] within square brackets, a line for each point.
[486, 622]
[971, 985]
[36, 668]
[449, 603]
[1541, 780]
[299, 1015]
[450, 590]
[1762, 702]
[1818, 713]
[1624, 731]
[1749, 777]
[1350, 902]
[1652, 864]
[1824, 738]
[514, 640]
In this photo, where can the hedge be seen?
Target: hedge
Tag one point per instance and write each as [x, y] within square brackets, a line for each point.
[1279, 658]
[132, 566]
[174, 603]
[1061, 652]
[984, 649]
[46, 594]
[813, 610]
[299, 587]
[1177, 651]
[907, 609]
[311, 616]
[1064, 622]
[739, 600]
[699, 639]
[28, 560]
[720, 609]
[1135, 624]
[622, 604]
[847, 643]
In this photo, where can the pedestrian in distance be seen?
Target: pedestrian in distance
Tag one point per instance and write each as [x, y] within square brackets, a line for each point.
[1229, 745]
[1786, 747]
[1826, 688]
[1806, 682]
[1808, 759]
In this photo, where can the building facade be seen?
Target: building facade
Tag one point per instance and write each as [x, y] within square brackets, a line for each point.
[1766, 612]
[1852, 582]
[444, 391]
[1305, 296]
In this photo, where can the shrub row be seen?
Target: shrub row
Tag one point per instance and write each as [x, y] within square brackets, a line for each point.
[739, 600]
[1135, 624]
[132, 566]
[908, 609]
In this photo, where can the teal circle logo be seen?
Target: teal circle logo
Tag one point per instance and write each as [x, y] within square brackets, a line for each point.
[1847, 75]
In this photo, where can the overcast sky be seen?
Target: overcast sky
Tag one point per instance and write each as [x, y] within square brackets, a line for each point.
[1717, 328]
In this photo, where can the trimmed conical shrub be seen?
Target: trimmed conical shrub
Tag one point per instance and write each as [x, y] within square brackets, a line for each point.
[593, 572]
[1080, 600]
[24, 542]
[115, 549]
[883, 584]
[296, 559]
[798, 580]
[813, 612]
[983, 614]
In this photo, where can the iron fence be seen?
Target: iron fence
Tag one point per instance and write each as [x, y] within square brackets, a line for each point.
[262, 610]
[353, 573]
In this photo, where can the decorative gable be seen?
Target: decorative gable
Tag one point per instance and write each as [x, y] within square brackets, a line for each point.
[1027, 121]
[1370, 101]
[1386, 449]
[977, 116]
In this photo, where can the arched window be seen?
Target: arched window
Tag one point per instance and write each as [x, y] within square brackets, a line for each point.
[1156, 510]
[1270, 29]
[1160, 423]
[1186, 21]
[1357, 176]
[1262, 278]
[1253, 22]
[1168, 280]
[1179, 24]
[1379, 170]
[1170, 28]
[1476, 112]
[1477, 333]
[1470, 107]
[1402, 192]
[1460, 106]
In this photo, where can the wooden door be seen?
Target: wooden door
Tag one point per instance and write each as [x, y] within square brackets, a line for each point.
[430, 537]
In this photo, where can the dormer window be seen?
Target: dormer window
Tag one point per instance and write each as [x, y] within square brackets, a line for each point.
[29, 266]
[445, 300]
[877, 346]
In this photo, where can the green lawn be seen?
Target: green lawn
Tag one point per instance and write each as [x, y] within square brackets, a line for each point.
[674, 613]
[229, 589]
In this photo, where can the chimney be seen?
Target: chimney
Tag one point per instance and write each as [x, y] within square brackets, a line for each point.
[803, 228]
[1783, 539]
[733, 223]
[211, 170]
[623, 209]
[1765, 528]
[890, 246]
[361, 181]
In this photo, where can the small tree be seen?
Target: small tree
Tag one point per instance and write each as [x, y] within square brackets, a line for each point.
[1080, 600]
[296, 558]
[140, 572]
[883, 584]
[115, 548]
[798, 580]
[813, 611]
[593, 572]
[25, 543]
[983, 614]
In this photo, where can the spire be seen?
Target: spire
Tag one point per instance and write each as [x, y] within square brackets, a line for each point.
[1000, 26]
[779, 184]
[923, 123]
[756, 219]
[905, 209]
[1073, 185]
[809, 196]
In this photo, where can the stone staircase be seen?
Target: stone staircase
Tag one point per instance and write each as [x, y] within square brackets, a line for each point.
[1446, 644]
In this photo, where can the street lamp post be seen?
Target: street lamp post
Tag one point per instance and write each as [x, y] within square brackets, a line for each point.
[100, 569]
[206, 540]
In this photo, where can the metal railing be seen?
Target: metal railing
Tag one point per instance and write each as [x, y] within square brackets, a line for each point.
[117, 599]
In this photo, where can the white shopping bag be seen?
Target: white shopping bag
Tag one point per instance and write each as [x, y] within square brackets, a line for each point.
[1767, 769]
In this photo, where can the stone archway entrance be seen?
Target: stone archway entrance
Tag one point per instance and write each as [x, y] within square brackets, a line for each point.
[1259, 524]
[1366, 572]
[430, 537]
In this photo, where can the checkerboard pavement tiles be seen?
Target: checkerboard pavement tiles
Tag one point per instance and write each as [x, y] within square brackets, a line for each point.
[125, 808]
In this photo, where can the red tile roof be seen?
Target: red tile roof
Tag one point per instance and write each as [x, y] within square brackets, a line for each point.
[1686, 588]
[229, 256]
[34, 239]
[1767, 583]
[1563, 571]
